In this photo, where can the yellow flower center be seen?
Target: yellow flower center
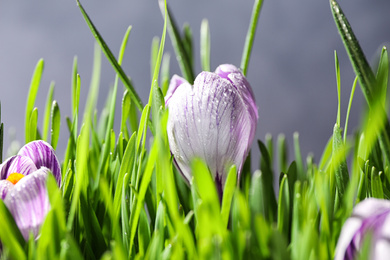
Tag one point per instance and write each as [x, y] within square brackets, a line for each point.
[14, 177]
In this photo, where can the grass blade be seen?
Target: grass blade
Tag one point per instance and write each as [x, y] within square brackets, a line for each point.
[205, 45]
[55, 124]
[32, 94]
[183, 57]
[250, 36]
[111, 58]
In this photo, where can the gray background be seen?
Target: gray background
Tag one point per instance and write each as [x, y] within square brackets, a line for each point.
[291, 69]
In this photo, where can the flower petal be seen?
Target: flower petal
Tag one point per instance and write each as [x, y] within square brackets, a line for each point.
[28, 202]
[19, 164]
[175, 82]
[42, 154]
[210, 121]
[5, 186]
[235, 76]
[369, 215]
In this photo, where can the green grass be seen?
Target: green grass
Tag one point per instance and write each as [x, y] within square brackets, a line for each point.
[122, 198]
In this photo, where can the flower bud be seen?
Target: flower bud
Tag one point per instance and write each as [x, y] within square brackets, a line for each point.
[213, 120]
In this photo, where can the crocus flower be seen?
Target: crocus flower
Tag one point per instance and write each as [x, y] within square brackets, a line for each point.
[214, 120]
[23, 185]
[371, 216]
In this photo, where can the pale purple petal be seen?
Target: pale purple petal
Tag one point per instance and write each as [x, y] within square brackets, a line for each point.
[175, 82]
[42, 154]
[235, 76]
[5, 187]
[210, 121]
[28, 202]
[17, 164]
[371, 215]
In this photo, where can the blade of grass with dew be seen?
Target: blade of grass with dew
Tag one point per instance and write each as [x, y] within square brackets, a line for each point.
[34, 86]
[178, 45]
[46, 118]
[205, 45]
[55, 124]
[363, 71]
[250, 36]
[33, 125]
[337, 67]
[349, 108]
[111, 58]
[228, 192]
[382, 75]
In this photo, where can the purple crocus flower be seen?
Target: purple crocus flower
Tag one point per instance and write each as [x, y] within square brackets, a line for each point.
[214, 120]
[23, 185]
[371, 216]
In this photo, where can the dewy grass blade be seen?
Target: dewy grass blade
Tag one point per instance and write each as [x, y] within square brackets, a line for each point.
[46, 119]
[111, 58]
[34, 86]
[55, 124]
[178, 45]
[250, 36]
[382, 75]
[356, 55]
[337, 67]
[33, 125]
[205, 45]
[367, 79]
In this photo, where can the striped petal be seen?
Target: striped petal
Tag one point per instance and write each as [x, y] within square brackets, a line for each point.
[5, 186]
[371, 215]
[28, 202]
[19, 164]
[43, 155]
[211, 121]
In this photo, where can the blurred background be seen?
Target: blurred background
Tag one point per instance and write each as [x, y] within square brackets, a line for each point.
[291, 68]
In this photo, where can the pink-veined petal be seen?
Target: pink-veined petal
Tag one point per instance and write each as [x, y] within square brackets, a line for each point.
[5, 186]
[42, 154]
[28, 202]
[18, 164]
